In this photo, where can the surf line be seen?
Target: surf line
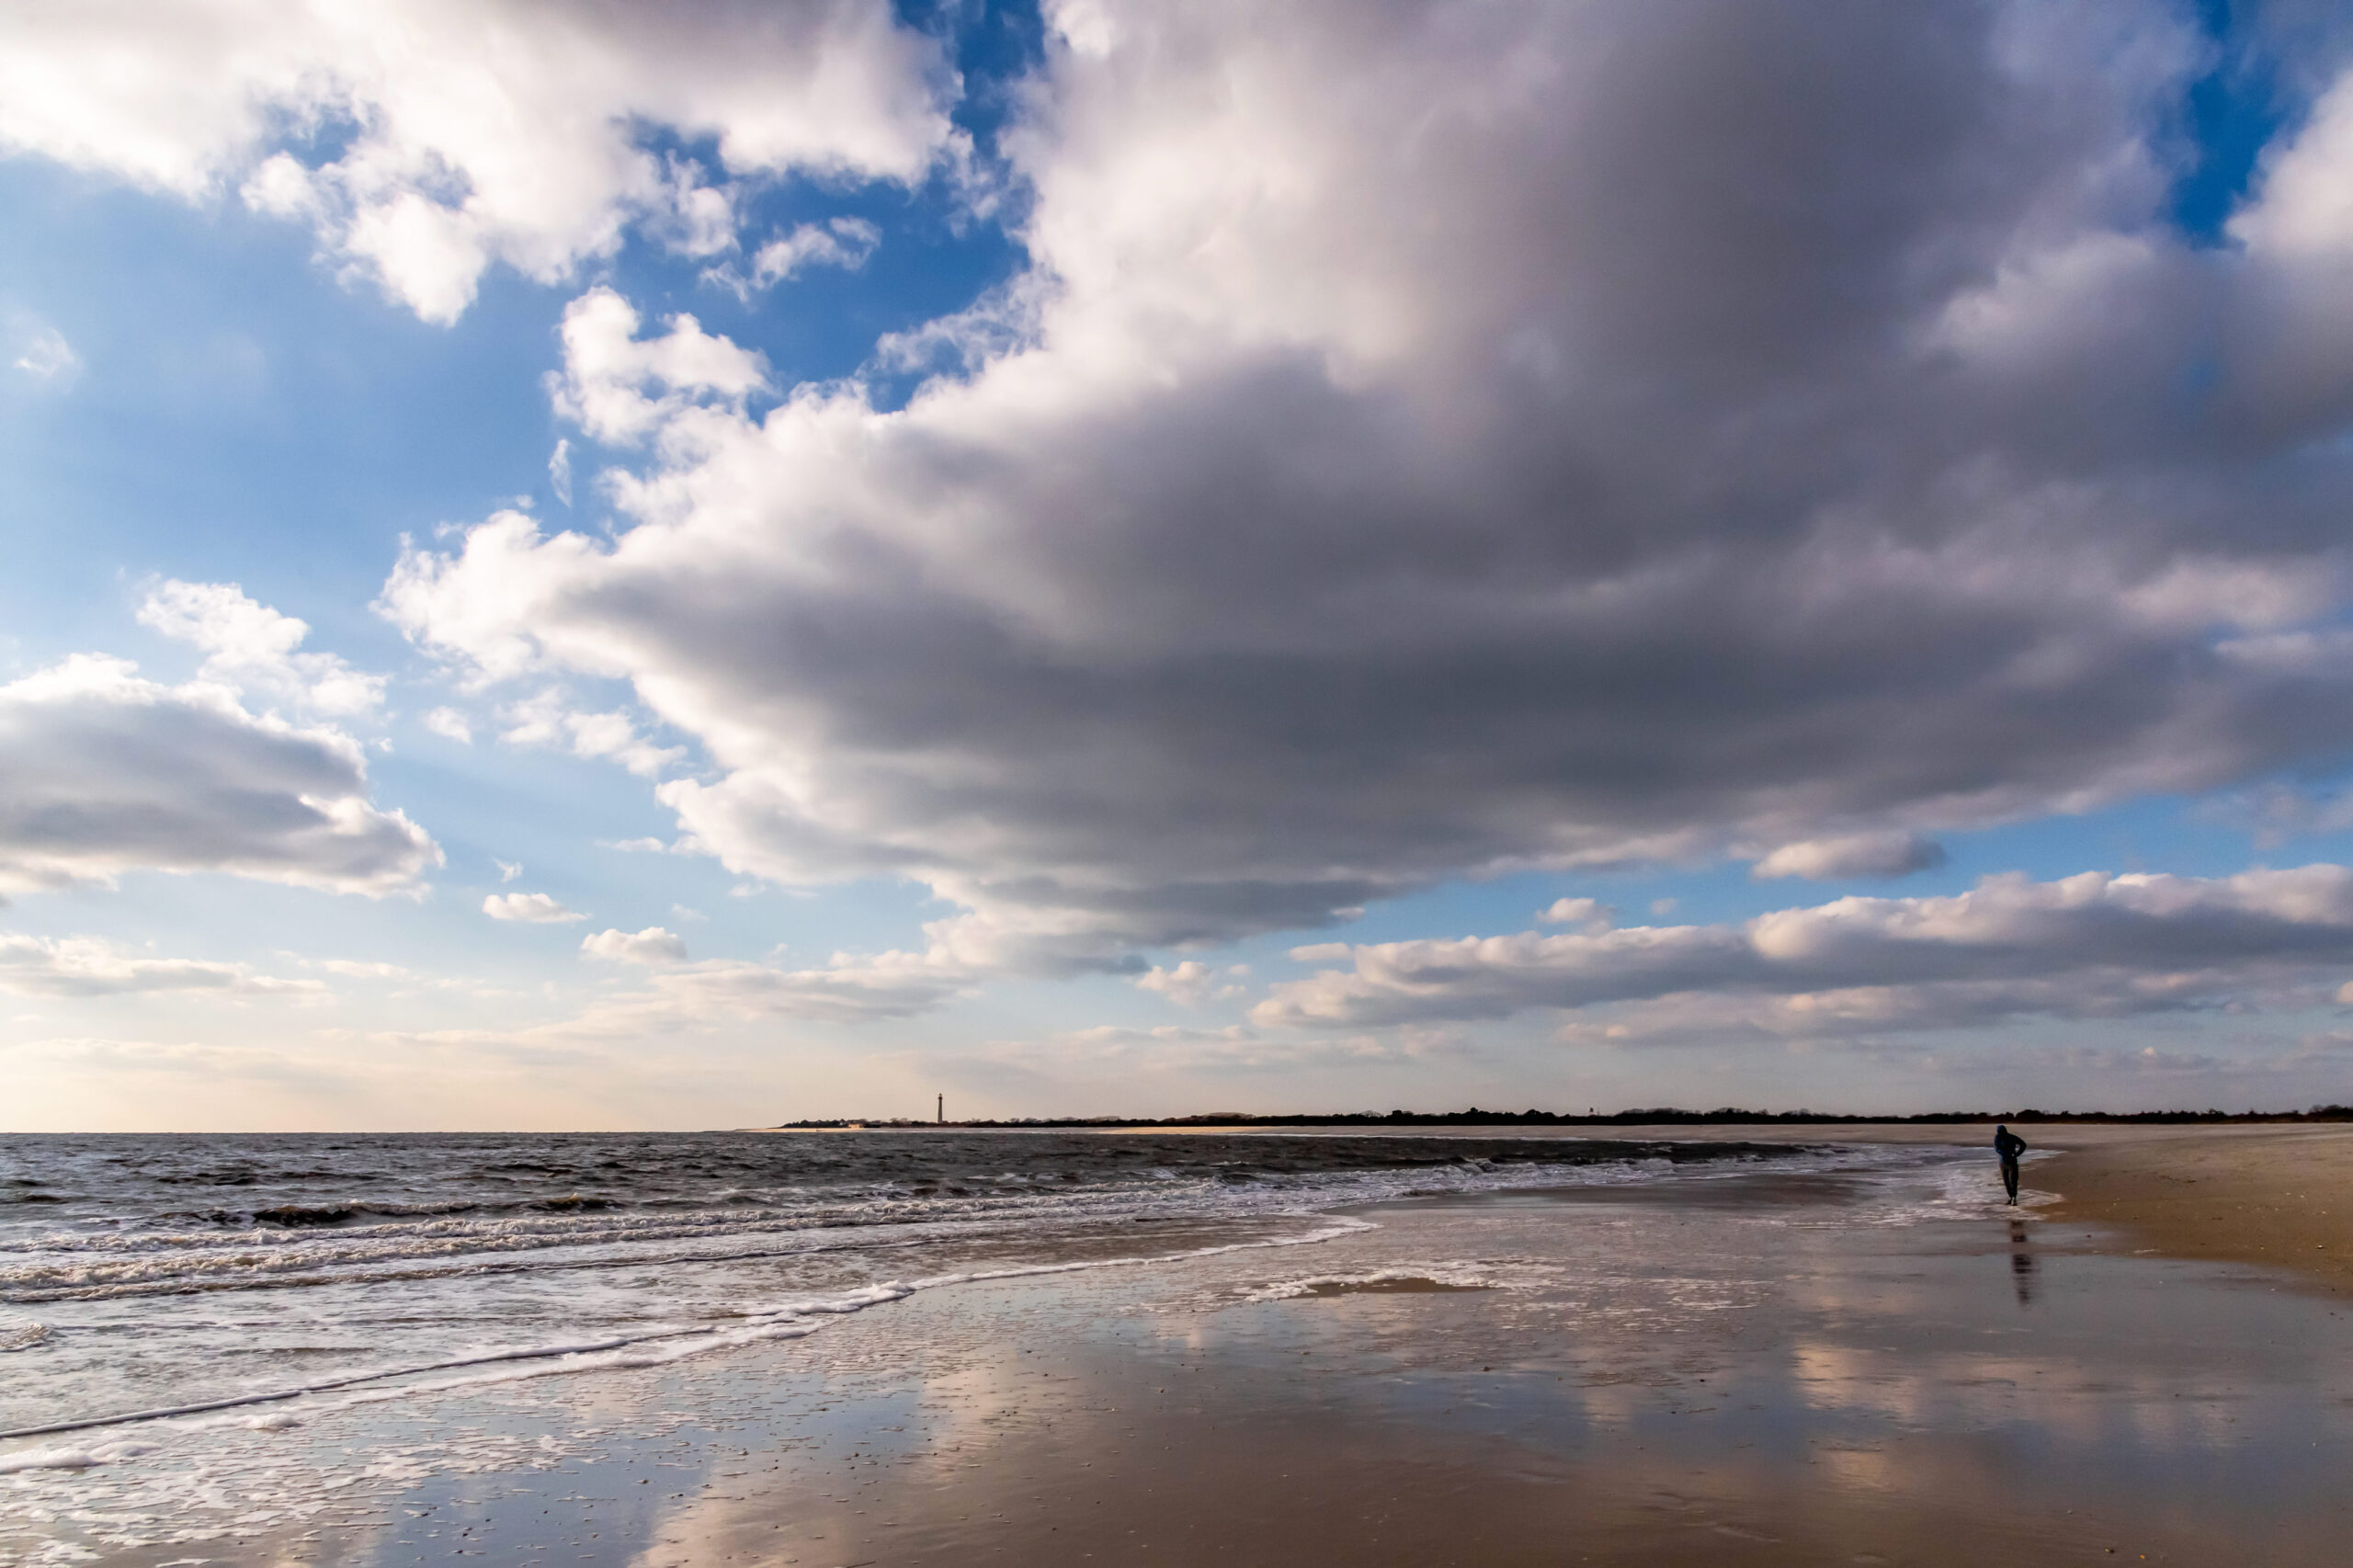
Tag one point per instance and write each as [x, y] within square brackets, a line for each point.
[329, 1385]
[856, 1301]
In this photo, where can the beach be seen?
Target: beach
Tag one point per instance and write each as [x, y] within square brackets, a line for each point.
[2280, 1197]
[2275, 1194]
[1820, 1349]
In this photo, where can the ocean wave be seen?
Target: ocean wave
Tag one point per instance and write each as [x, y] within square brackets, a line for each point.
[70, 1265]
[75, 1456]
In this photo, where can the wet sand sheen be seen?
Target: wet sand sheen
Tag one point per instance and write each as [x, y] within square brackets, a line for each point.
[1752, 1381]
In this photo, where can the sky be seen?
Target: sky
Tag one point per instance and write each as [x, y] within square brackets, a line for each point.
[602, 564]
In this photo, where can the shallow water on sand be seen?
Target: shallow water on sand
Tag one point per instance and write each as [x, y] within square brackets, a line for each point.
[1831, 1358]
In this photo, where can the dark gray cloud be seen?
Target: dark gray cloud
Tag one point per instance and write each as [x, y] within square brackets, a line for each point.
[1438, 439]
[102, 772]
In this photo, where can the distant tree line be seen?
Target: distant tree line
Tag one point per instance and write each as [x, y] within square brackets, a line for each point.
[1650, 1116]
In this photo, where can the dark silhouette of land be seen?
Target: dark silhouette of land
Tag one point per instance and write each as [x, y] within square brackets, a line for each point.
[1657, 1116]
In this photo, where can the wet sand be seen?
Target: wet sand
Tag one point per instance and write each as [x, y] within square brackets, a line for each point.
[1719, 1392]
[2280, 1197]
[1761, 1369]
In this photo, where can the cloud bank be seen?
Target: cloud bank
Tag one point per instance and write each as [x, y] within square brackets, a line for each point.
[2089, 946]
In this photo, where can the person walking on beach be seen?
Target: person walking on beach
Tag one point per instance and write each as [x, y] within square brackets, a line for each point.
[2009, 1145]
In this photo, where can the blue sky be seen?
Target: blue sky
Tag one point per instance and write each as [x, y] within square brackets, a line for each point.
[1120, 559]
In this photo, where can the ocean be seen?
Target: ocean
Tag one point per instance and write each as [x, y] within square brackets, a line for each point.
[163, 1297]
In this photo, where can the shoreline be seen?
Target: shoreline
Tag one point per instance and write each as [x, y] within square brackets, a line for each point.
[1721, 1373]
[2273, 1193]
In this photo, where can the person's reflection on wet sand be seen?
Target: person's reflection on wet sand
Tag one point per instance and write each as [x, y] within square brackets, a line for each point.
[2021, 1264]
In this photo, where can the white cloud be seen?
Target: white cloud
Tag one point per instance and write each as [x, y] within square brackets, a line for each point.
[450, 724]
[688, 998]
[480, 130]
[1176, 1049]
[90, 966]
[653, 947]
[685, 913]
[252, 647]
[1893, 853]
[846, 990]
[47, 356]
[2092, 945]
[608, 369]
[846, 243]
[1444, 440]
[560, 471]
[362, 969]
[1587, 912]
[532, 908]
[508, 869]
[548, 720]
[102, 773]
[1188, 984]
[2275, 813]
[694, 219]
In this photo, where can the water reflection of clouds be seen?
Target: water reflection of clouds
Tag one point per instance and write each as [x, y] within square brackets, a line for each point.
[1800, 1369]
[1950, 1390]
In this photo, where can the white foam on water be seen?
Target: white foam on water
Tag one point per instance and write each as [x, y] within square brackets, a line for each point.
[1942, 1183]
[68, 1265]
[792, 1319]
[73, 1456]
